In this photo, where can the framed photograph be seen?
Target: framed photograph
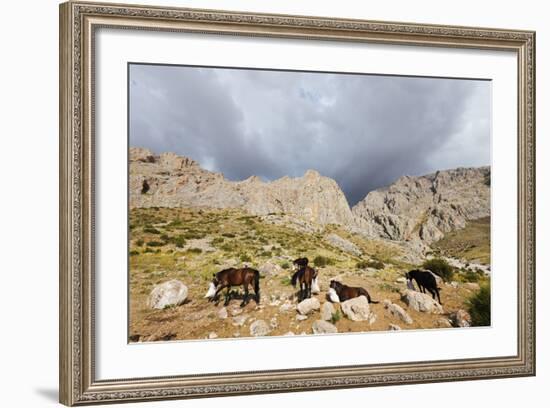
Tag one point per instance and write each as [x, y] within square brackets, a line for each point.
[256, 203]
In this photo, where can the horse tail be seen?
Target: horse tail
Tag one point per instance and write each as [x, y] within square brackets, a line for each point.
[294, 278]
[369, 298]
[257, 285]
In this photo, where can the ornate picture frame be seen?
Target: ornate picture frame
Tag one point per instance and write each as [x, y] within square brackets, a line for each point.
[78, 24]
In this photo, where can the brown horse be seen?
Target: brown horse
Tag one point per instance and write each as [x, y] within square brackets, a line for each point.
[237, 277]
[305, 275]
[345, 292]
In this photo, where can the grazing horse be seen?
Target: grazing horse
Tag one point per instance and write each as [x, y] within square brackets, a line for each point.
[345, 292]
[425, 281]
[306, 276]
[236, 277]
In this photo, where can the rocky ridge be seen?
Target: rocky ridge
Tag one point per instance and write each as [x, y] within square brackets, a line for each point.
[415, 209]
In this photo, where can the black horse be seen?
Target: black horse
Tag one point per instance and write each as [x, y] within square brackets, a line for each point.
[305, 275]
[236, 277]
[425, 281]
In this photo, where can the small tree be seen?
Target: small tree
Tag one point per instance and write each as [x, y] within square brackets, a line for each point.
[440, 267]
[479, 307]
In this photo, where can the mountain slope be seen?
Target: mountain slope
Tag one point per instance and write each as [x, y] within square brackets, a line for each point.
[169, 180]
[426, 207]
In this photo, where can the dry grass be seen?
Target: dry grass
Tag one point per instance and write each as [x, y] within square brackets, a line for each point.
[228, 236]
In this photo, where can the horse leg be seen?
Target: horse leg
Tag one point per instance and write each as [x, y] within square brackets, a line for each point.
[227, 296]
[217, 294]
[438, 297]
[245, 298]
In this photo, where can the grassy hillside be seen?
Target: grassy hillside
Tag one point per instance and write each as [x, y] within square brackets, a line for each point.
[192, 244]
[472, 243]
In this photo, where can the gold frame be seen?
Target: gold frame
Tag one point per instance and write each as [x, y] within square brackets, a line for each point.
[78, 21]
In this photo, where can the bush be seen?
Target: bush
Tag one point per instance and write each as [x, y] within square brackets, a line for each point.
[266, 254]
[335, 317]
[285, 265]
[361, 265]
[228, 235]
[376, 264]
[479, 307]
[155, 243]
[151, 230]
[140, 242]
[132, 253]
[440, 267]
[322, 261]
[165, 237]
[194, 250]
[179, 241]
[245, 258]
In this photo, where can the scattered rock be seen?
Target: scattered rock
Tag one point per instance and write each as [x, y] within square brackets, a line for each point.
[402, 279]
[270, 269]
[397, 311]
[236, 311]
[357, 309]
[222, 313]
[460, 318]
[454, 284]
[285, 307]
[273, 323]
[259, 328]
[239, 320]
[323, 327]
[327, 311]
[443, 323]
[394, 327]
[300, 317]
[171, 293]
[421, 302]
[213, 335]
[307, 306]
[290, 333]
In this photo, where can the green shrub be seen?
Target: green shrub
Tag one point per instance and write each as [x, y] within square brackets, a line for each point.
[132, 253]
[335, 317]
[217, 240]
[266, 254]
[440, 267]
[322, 261]
[140, 242]
[245, 258]
[479, 307]
[472, 276]
[194, 250]
[285, 280]
[151, 230]
[285, 265]
[361, 265]
[155, 243]
[179, 241]
[165, 237]
[148, 250]
[175, 223]
[228, 235]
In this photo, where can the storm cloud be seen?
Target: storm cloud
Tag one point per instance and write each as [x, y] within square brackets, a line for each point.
[364, 131]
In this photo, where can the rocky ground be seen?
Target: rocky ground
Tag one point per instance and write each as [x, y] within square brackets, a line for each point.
[190, 244]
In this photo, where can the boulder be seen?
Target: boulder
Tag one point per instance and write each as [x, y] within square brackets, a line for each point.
[259, 328]
[443, 323]
[300, 317]
[357, 309]
[270, 269]
[308, 306]
[323, 327]
[239, 320]
[343, 244]
[171, 293]
[394, 327]
[397, 311]
[327, 311]
[421, 302]
[460, 318]
[213, 335]
[222, 313]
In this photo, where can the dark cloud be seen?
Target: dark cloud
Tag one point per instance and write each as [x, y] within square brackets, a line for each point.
[362, 130]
